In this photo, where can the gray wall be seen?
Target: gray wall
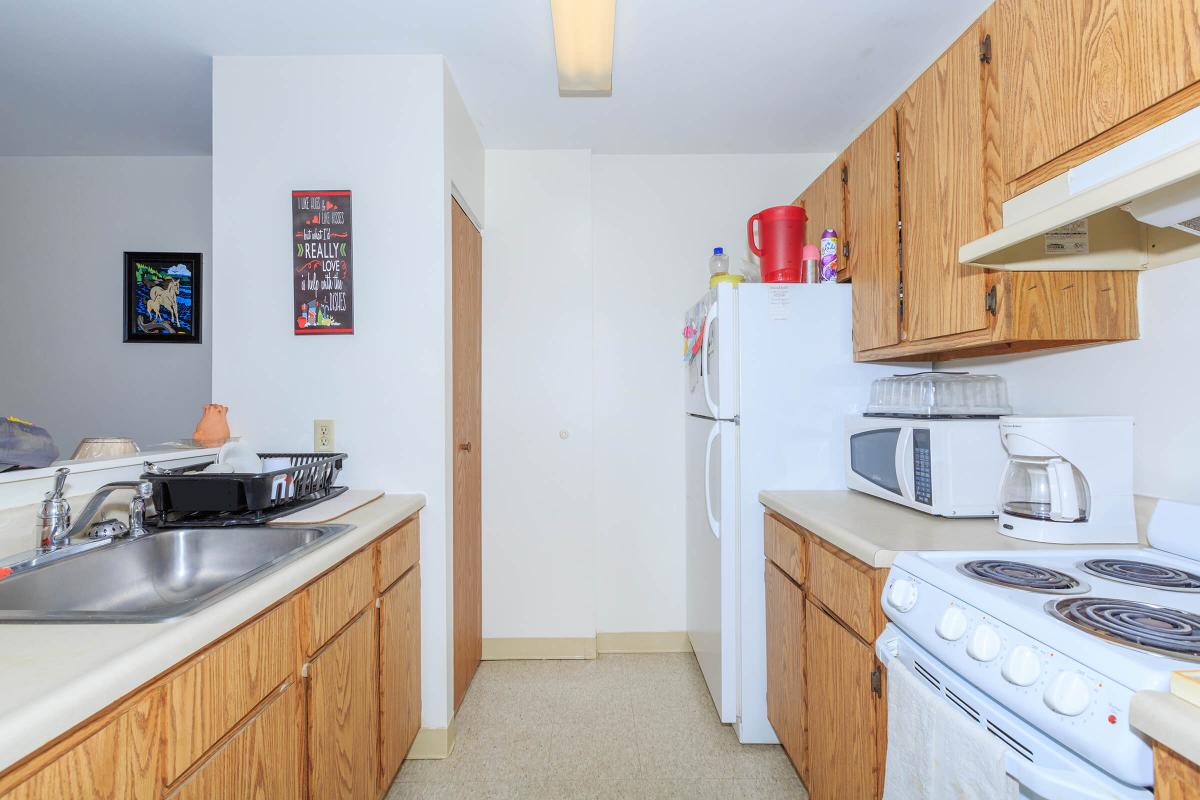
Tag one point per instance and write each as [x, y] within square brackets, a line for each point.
[64, 225]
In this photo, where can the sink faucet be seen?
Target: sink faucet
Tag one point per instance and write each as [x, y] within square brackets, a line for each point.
[54, 518]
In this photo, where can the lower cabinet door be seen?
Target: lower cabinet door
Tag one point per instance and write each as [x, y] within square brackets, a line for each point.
[117, 762]
[399, 672]
[343, 752]
[264, 760]
[785, 665]
[845, 755]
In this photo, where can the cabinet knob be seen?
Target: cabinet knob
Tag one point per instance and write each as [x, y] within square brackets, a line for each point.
[465, 446]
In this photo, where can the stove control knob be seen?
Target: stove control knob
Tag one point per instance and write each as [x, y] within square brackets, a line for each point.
[1023, 666]
[903, 595]
[985, 643]
[953, 624]
[1068, 694]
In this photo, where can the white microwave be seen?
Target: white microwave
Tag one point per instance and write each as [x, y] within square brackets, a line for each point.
[946, 467]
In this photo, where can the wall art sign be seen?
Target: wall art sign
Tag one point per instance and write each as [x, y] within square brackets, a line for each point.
[162, 297]
[322, 254]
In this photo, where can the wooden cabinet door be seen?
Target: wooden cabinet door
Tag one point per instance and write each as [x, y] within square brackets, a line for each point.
[942, 193]
[343, 753]
[399, 672]
[1075, 68]
[265, 759]
[824, 201]
[118, 761]
[872, 219]
[785, 667]
[845, 757]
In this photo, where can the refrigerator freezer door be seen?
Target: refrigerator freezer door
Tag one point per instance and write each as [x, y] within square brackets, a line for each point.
[711, 552]
[712, 375]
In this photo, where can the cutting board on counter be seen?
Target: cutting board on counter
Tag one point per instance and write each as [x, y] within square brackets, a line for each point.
[332, 508]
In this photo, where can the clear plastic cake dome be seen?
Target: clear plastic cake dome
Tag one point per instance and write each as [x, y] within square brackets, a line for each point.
[939, 394]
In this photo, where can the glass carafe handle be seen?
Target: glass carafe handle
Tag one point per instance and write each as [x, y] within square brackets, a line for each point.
[1064, 496]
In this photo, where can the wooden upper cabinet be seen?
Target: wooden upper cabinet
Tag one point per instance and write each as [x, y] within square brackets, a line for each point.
[1074, 69]
[942, 146]
[872, 215]
[825, 201]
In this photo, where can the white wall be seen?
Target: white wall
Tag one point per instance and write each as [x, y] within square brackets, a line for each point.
[376, 126]
[1153, 379]
[65, 224]
[576, 328]
[655, 222]
[538, 552]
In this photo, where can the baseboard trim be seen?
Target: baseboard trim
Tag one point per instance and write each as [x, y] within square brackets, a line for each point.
[433, 743]
[535, 648]
[585, 647]
[644, 642]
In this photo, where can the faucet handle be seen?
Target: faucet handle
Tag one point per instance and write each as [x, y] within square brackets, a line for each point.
[60, 481]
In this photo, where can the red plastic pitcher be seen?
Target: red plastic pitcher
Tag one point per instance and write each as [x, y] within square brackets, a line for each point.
[781, 230]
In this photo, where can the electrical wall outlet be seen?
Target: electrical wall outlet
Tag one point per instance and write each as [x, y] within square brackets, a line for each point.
[323, 435]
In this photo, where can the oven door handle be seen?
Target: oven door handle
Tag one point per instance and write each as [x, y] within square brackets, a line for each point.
[1055, 783]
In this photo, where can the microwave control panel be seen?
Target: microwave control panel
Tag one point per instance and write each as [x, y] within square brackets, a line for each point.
[922, 480]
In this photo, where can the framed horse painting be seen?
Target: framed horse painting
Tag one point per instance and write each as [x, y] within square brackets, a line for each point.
[162, 297]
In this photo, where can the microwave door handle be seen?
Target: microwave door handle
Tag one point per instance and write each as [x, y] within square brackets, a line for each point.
[904, 460]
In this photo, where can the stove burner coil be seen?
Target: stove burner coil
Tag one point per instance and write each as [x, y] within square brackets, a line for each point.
[1141, 626]
[1019, 575]
[1142, 573]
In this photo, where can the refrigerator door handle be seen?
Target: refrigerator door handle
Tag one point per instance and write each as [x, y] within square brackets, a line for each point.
[713, 523]
[704, 369]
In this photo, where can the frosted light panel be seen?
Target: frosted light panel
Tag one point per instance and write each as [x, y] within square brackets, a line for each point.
[583, 46]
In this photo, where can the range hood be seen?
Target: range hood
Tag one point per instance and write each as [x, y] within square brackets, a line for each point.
[1136, 206]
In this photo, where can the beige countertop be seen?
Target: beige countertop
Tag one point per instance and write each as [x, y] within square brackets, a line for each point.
[874, 530]
[1169, 720]
[56, 676]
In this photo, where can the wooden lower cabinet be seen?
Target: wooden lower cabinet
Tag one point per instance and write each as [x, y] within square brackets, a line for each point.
[248, 717]
[399, 672]
[785, 665]
[342, 719]
[118, 761]
[1175, 778]
[264, 759]
[845, 757]
[825, 690]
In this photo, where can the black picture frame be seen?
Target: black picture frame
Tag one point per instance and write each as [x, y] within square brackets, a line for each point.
[155, 285]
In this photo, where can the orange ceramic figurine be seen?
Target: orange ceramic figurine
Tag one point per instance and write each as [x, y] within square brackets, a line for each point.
[212, 429]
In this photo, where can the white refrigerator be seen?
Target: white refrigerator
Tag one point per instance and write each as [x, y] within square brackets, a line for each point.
[771, 378]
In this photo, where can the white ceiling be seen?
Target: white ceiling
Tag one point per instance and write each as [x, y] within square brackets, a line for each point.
[130, 77]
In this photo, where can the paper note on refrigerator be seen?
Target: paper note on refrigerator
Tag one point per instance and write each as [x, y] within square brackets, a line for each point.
[779, 302]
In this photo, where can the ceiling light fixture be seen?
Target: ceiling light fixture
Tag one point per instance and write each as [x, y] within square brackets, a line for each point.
[583, 46]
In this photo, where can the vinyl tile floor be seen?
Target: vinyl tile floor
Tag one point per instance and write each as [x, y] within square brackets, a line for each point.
[621, 727]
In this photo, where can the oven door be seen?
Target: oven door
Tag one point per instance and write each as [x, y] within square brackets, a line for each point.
[879, 458]
[1043, 768]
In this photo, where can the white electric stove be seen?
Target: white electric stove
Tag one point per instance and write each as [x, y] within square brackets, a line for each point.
[1046, 647]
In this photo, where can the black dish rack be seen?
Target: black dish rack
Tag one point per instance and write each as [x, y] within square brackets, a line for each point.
[189, 497]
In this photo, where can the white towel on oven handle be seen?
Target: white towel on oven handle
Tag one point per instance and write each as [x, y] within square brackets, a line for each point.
[934, 752]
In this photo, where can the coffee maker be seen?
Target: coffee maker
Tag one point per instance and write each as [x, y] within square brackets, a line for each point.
[1069, 480]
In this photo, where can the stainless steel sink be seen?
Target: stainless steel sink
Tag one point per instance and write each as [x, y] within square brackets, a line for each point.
[160, 576]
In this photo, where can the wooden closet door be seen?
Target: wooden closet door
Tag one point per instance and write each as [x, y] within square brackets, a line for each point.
[467, 281]
[872, 216]
[942, 193]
